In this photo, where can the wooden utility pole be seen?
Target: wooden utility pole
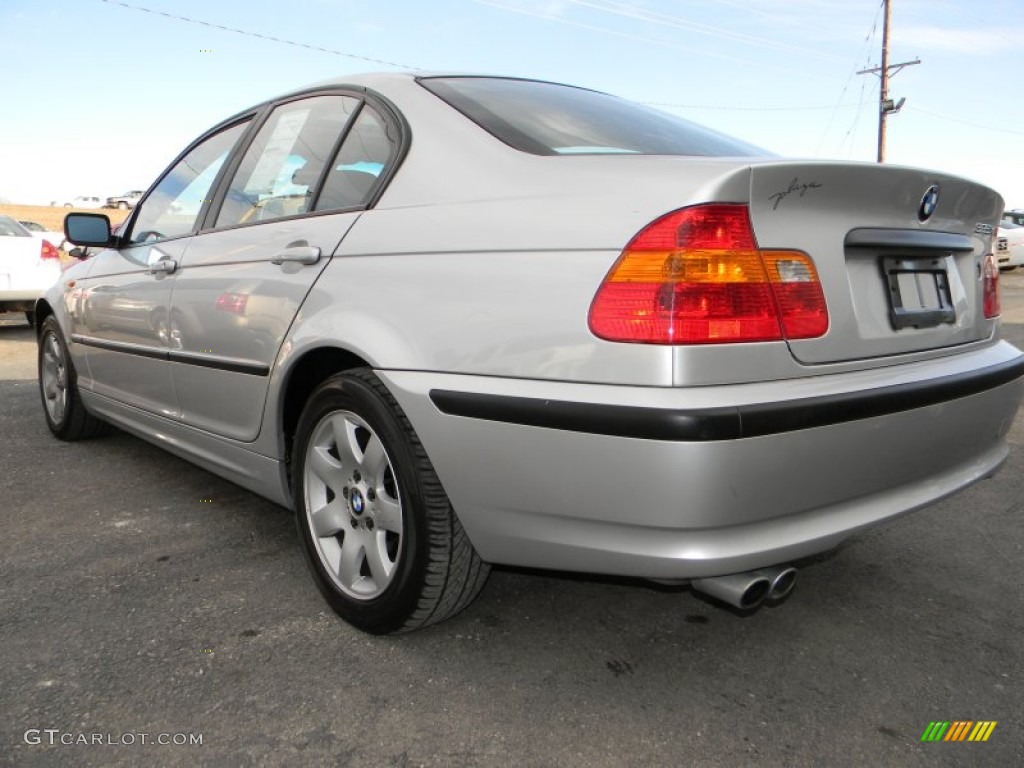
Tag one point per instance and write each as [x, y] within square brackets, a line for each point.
[885, 104]
[883, 88]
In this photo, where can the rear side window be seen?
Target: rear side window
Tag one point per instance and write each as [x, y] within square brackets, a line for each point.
[367, 150]
[281, 167]
[551, 119]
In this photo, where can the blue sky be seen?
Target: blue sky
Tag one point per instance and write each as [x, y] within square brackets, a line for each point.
[100, 96]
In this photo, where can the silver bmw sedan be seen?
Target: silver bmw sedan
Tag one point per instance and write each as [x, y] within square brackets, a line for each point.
[456, 321]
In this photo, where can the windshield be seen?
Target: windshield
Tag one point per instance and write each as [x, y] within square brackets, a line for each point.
[550, 119]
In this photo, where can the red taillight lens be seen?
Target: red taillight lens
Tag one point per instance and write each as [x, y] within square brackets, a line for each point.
[49, 252]
[990, 286]
[696, 276]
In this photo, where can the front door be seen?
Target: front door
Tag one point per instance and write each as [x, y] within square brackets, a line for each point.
[124, 319]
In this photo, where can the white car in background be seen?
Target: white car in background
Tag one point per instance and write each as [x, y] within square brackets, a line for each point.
[54, 238]
[28, 267]
[126, 201]
[1016, 216]
[1009, 245]
[84, 201]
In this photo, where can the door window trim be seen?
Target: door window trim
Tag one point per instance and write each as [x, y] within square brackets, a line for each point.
[392, 118]
[243, 140]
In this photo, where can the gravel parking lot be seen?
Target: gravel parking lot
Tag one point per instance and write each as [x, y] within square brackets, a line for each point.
[143, 601]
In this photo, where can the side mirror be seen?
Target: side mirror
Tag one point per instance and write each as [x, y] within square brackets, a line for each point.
[77, 253]
[90, 229]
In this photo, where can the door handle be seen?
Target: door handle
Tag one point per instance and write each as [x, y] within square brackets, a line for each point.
[298, 254]
[164, 266]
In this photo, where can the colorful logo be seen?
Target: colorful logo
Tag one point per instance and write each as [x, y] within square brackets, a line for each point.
[959, 730]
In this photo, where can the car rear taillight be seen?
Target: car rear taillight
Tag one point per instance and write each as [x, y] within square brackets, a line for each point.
[990, 286]
[696, 276]
[49, 252]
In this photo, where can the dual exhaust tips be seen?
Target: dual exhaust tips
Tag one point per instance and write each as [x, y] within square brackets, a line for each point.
[748, 590]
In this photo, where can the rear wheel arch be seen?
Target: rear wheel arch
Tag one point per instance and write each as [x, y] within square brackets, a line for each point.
[307, 373]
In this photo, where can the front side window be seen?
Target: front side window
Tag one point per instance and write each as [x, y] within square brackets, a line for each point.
[550, 119]
[173, 207]
[281, 168]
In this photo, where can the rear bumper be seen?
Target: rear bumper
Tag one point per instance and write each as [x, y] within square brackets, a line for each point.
[689, 482]
[728, 422]
[21, 295]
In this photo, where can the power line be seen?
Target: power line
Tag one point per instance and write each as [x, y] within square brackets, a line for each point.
[964, 122]
[744, 109]
[987, 25]
[259, 35]
[788, 21]
[855, 124]
[667, 20]
[650, 40]
[865, 46]
[321, 49]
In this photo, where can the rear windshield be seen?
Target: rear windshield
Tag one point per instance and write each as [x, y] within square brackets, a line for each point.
[10, 228]
[550, 119]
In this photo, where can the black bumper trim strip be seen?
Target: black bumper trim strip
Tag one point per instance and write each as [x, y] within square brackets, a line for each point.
[730, 423]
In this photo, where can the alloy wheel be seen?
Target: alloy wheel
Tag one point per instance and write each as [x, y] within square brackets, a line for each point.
[353, 506]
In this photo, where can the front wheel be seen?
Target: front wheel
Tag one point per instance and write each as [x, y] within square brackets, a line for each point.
[379, 534]
[58, 386]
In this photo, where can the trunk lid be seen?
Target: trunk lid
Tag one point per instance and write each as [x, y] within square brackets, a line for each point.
[899, 252]
[21, 264]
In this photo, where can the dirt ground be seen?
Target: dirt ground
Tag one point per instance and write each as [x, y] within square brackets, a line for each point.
[53, 217]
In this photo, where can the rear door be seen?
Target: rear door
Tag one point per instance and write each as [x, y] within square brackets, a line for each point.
[899, 252]
[311, 169]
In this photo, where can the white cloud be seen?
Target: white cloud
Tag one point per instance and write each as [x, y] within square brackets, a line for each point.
[975, 42]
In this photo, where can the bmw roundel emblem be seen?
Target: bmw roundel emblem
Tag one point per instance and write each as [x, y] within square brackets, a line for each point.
[357, 502]
[928, 203]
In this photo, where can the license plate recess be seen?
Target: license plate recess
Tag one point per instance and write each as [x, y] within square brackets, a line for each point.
[919, 295]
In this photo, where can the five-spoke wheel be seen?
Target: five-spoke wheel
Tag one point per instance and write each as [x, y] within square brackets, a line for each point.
[353, 505]
[380, 536]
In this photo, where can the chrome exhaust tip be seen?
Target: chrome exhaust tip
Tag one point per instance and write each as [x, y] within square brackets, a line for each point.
[741, 590]
[782, 578]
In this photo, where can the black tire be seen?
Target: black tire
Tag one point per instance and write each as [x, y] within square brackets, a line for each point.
[58, 386]
[435, 572]
[30, 315]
